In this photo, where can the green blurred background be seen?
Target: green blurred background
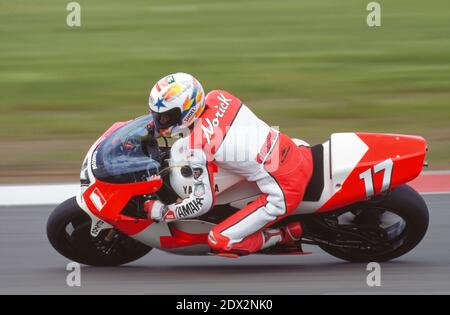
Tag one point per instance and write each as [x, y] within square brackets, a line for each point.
[311, 67]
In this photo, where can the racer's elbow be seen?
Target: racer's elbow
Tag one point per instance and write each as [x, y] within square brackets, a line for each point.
[207, 204]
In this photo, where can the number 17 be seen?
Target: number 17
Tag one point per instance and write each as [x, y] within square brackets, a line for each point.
[385, 166]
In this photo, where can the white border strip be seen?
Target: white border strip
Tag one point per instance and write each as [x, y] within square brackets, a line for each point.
[52, 194]
[17, 195]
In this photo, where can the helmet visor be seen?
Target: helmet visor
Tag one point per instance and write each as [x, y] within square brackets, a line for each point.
[167, 119]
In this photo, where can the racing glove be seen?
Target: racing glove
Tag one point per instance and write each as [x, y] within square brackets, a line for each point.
[158, 211]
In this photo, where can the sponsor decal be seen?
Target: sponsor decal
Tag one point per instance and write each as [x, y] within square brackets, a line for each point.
[199, 190]
[221, 110]
[97, 228]
[189, 115]
[197, 172]
[188, 189]
[97, 199]
[170, 79]
[94, 160]
[164, 82]
[267, 147]
[190, 208]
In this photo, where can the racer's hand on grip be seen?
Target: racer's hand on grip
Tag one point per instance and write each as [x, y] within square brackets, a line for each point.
[158, 211]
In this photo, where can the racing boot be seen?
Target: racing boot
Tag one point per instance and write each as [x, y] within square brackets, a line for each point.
[287, 235]
[281, 240]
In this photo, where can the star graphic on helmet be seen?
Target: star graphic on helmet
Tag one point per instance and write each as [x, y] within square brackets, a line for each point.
[160, 103]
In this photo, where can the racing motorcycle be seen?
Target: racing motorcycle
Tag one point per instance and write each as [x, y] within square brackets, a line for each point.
[357, 206]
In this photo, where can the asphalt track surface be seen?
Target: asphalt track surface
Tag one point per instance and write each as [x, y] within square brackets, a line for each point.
[28, 265]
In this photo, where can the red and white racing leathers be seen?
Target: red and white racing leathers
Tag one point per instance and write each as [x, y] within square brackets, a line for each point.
[230, 136]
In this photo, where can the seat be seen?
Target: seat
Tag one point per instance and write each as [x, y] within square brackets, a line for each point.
[316, 184]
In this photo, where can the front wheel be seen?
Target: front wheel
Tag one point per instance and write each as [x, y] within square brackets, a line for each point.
[390, 227]
[68, 230]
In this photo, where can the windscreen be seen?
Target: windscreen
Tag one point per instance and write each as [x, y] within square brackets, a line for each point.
[128, 155]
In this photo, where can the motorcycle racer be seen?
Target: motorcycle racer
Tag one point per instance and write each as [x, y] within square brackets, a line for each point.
[220, 131]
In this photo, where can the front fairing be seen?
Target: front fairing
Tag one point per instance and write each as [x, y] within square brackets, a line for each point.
[110, 178]
[128, 155]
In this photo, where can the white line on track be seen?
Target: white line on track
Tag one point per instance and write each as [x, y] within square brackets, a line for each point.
[435, 193]
[435, 172]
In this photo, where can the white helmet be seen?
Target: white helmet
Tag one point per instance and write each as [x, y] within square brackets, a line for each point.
[177, 100]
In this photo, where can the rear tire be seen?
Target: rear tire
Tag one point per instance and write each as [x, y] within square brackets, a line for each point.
[407, 204]
[68, 230]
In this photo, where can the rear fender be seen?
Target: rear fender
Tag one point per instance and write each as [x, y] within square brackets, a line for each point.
[364, 165]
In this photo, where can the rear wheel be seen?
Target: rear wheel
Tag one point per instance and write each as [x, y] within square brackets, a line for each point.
[390, 227]
[68, 230]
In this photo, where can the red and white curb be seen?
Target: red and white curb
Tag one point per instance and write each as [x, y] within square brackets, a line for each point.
[430, 182]
[437, 182]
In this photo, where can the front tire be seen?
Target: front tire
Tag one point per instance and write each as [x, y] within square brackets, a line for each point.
[404, 202]
[68, 230]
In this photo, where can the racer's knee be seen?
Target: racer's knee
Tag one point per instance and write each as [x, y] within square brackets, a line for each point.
[275, 211]
[283, 200]
[283, 208]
